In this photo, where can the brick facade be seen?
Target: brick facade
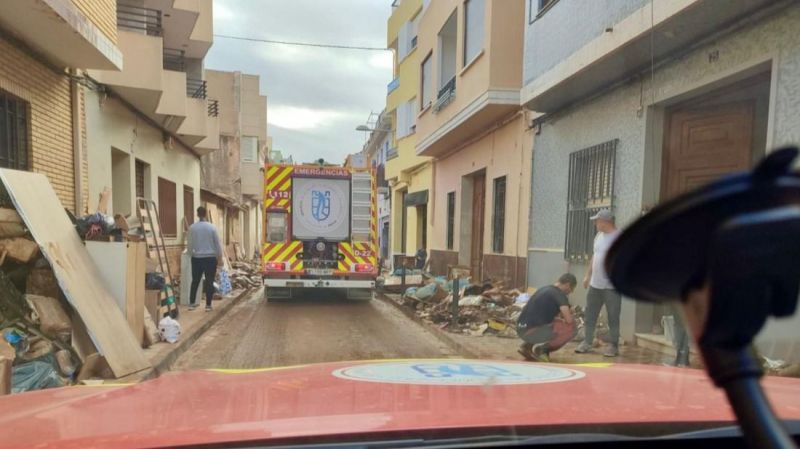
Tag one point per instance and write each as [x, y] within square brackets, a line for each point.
[103, 13]
[48, 93]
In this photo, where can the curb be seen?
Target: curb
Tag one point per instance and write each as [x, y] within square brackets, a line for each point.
[162, 366]
[438, 333]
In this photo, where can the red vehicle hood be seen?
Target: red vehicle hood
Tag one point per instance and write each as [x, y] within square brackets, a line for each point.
[383, 399]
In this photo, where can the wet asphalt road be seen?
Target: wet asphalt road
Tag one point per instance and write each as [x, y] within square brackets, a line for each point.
[317, 328]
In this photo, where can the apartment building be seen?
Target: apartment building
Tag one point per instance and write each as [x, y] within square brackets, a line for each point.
[149, 123]
[409, 175]
[232, 179]
[470, 123]
[42, 43]
[376, 152]
[641, 100]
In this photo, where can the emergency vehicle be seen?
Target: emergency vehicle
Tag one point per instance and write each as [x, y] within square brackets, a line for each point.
[320, 230]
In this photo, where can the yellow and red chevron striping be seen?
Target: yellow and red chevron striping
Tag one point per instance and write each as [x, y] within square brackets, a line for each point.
[361, 252]
[283, 252]
[277, 187]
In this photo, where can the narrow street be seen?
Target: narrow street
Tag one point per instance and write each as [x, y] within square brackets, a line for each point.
[314, 329]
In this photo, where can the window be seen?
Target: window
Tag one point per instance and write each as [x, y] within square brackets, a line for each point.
[406, 119]
[249, 149]
[499, 215]
[473, 31]
[167, 209]
[141, 169]
[426, 82]
[538, 7]
[451, 219]
[14, 132]
[188, 205]
[591, 187]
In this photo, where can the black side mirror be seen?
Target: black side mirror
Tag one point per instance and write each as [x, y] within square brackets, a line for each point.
[729, 252]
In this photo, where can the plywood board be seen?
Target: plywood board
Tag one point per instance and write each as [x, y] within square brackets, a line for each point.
[134, 306]
[77, 275]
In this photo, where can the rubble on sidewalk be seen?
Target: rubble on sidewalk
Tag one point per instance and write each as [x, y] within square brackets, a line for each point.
[245, 274]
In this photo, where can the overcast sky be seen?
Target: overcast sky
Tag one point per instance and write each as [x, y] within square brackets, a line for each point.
[315, 96]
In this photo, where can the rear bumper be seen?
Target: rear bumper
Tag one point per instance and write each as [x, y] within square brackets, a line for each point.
[318, 283]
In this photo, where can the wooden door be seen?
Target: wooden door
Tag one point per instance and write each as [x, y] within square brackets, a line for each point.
[478, 203]
[703, 144]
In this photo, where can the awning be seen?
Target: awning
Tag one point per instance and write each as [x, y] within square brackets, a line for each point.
[416, 198]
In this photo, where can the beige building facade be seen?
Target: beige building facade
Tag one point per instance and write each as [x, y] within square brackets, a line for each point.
[42, 42]
[469, 121]
[149, 123]
[232, 179]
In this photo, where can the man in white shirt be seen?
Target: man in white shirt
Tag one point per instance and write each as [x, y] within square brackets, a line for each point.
[601, 291]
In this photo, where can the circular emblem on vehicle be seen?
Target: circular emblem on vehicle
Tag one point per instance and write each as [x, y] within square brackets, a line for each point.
[457, 372]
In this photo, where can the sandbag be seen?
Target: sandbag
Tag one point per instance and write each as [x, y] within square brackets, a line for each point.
[50, 314]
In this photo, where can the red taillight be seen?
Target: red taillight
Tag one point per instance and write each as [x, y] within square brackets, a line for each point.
[276, 266]
[364, 267]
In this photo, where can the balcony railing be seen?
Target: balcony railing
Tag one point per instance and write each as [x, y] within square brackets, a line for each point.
[393, 85]
[196, 88]
[174, 59]
[213, 108]
[391, 153]
[446, 95]
[138, 19]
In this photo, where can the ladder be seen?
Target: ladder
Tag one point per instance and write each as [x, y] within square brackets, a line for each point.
[157, 250]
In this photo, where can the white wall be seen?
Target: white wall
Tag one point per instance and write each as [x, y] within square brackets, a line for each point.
[112, 125]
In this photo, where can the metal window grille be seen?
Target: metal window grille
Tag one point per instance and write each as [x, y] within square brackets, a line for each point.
[499, 215]
[14, 132]
[174, 59]
[213, 108]
[196, 88]
[446, 94]
[140, 168]
[591, 188]
[136, 18]
[451, 219]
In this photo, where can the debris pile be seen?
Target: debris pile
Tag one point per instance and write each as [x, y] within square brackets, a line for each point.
[486, 308]
[36, 331]
[245, 274]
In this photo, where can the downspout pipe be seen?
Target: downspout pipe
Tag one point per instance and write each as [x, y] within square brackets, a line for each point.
[77, 140]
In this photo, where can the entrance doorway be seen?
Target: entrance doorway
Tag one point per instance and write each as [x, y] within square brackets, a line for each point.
[120, 182]
[710, 136]
[476, 243]
[422, 226]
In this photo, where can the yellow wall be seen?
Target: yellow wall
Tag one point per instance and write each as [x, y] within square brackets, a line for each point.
[102, 13]
[407, 171]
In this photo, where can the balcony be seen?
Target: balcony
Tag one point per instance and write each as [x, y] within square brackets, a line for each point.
[196, 88]
[446, 95]
[61, 33]
[391, 153]
[471, 92]
[393, 85]
[213, 108]
[137, 19]
[194, 128]
[210, 142]
[174, 60]
[561, 76]
[140, 81]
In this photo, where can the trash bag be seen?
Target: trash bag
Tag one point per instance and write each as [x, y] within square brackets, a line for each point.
[426, 292]
[411, 292]
[522, 298]
[36, 375]
[224, 282]
[169, 329]
[154, 281]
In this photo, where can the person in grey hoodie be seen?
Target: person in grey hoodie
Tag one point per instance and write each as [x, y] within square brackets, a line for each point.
[206, 251]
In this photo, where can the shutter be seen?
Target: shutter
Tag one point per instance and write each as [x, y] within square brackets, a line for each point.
[402, 42]
[411, 118]
[361, 200]
[402, 120]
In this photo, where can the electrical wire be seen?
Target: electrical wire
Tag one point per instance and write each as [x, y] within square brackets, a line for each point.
[302, 44]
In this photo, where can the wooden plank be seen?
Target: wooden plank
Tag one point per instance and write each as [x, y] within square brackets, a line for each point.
[134, 304]
[77, 275]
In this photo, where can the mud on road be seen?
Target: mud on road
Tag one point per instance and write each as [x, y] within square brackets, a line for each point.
[317, 328]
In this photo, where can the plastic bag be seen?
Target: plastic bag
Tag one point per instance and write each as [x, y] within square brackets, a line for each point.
[522, 298]
[154, 281]
[224, 282]
[169, 329]
[34, 376]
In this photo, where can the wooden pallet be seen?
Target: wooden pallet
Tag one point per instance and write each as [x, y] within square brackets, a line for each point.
[157, 251]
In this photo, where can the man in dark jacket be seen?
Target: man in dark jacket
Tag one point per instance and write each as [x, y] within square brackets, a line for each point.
[546, 322]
